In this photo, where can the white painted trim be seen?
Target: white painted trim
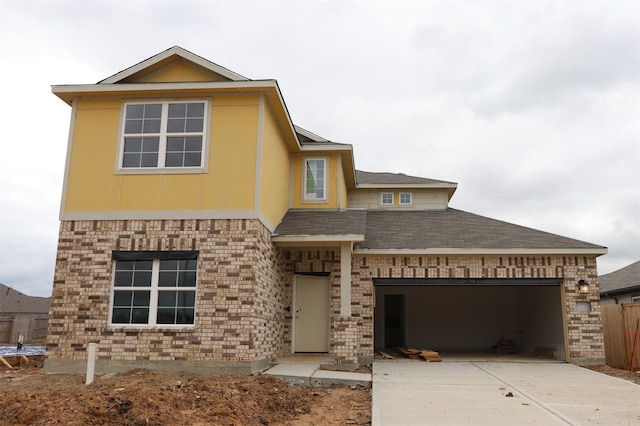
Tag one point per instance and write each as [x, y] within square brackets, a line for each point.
[176, 50]
[317, 238]
[79, 89]
[163, 136]
[325, 199]
[310, 135]
[327, 147]
[393, 198]
[481, 251]
[65, 179]
[345, 279]
[158, 214]
[410, 203]
[259, 145]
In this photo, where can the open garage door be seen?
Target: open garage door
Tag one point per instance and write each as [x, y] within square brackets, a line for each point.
[471, 315]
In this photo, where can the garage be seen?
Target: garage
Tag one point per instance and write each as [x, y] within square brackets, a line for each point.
[470, 315]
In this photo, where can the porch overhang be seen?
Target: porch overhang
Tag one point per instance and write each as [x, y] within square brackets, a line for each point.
[303, 241]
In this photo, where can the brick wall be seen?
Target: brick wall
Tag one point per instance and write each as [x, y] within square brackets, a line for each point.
[239, 307]
[352, 338]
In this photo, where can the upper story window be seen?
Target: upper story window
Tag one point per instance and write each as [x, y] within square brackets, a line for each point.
[315, 182]
[151, 292]
[405, 198]
[163, 135]
[386, 198]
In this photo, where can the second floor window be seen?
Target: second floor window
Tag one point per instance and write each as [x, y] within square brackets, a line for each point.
[315, 179]
[163, 135]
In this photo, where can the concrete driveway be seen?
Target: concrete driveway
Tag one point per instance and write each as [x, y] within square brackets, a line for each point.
[499, 393]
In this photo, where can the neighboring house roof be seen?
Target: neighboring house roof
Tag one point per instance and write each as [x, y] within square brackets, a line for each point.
[373, 178]
[13, 301]
[623, 280]
[447, 231]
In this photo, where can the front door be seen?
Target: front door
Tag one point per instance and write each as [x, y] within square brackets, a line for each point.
[311, 321]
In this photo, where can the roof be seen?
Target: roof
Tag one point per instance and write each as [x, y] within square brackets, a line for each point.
[321, 226]
[13, 301]
[163, 58]
[376, 178]
[625, 279]
[447, 231]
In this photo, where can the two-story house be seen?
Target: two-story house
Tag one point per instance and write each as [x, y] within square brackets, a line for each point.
[201, 230]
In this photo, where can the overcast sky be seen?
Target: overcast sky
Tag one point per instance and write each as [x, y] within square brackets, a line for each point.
[532, 107]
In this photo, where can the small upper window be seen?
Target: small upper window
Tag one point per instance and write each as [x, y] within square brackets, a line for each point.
[386, 198]
[405, 198]
[315, 183]
[163, 135]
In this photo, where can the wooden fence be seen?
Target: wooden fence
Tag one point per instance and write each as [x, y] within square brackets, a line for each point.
[32, 326]
[622, 335]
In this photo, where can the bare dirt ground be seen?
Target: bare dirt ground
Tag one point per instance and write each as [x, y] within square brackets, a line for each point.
[632, 376]
[142, 397]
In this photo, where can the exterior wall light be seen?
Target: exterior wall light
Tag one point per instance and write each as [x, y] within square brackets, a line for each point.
[583, 287]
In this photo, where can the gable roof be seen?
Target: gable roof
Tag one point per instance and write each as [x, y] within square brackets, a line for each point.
[383, 178]
[447, 231]
[163, 59]
[13, 301]
[622, 280]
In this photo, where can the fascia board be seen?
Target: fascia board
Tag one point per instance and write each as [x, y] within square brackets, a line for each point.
[310, 135]
[319, 146]
[482, 251]
[167, 54]
[284, 239]
[67, 92]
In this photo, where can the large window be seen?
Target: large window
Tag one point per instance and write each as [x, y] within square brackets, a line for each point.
[315, 183]
[154, 291]
[163, 135]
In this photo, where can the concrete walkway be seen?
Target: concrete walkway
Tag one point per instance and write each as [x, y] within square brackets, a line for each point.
[303, 374]
[499, 393]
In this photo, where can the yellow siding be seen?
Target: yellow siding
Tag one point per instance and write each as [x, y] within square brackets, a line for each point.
[274, 197]
[230, 183]
[332, 182]
[91, 183]
[179, 71]
[94, 185]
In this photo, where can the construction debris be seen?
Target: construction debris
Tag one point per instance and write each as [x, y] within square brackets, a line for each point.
[428, 355]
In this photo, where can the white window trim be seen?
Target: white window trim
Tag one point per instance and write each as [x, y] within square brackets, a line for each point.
[410, 198]
[304, 180]
[635, 299]
[153, 301]
[382, 202]
[206, 137]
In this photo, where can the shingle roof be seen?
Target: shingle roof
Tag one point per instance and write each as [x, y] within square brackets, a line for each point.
[424, 229]
[627, 277]
[322, 222]
[13, 301]
[452, 228]
[374, 178]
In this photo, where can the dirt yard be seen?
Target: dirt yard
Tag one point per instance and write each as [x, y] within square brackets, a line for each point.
[143, 397]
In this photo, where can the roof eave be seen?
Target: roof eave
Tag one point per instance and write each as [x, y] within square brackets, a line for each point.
[315, 240]
[484, 251]
[620, 291]
[173, 51]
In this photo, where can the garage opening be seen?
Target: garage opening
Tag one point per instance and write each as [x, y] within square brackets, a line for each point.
[470, 315]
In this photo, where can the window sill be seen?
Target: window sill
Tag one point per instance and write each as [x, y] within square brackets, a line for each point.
[162, 171]
[154, 328]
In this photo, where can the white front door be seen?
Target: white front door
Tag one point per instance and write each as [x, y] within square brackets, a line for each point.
[311, 320]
